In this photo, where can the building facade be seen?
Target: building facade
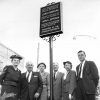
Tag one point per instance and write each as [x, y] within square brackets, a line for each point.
[5, 54]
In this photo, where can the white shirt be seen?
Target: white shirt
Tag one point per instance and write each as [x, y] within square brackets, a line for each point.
[15, 68]
[81, 75]
[56, 74]
[65, 74]
[30, 74]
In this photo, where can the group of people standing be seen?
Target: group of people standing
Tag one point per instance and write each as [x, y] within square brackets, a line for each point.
[69, 85]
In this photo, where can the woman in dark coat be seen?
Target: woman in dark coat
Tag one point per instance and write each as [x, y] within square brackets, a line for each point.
[10, 79]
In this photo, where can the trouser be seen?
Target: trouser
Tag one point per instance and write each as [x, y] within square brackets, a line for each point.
[66, 96]
[81, 93]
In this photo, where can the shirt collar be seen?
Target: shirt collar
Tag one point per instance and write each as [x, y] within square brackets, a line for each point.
[83, 62]
[55, 72]
[15, 68]
[28, 72]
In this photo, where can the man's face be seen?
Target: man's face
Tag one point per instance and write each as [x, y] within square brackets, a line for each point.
[55, 67]
[29, 68]
[81, 56]
[15, 61]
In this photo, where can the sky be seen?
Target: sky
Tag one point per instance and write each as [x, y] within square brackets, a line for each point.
[19, 30]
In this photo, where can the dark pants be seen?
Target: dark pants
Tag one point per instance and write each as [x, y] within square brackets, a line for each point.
[81, 93]
[10, 89]
[66, 96]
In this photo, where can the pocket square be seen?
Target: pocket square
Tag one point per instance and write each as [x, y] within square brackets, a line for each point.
[35, 76]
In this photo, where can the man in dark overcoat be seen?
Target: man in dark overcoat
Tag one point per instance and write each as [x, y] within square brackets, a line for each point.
[87, 78]
[31, 84]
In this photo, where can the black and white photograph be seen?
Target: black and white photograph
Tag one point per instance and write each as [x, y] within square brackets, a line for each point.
[49, 49]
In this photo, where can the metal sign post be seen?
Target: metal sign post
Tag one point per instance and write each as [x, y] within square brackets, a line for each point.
[50, 26]
[51, 66]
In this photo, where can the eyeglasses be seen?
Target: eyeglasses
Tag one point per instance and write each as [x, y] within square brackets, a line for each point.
[30, 65]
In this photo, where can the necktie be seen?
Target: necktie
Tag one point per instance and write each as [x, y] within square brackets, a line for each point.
[54, 75]
[80, 69]
[28, 76]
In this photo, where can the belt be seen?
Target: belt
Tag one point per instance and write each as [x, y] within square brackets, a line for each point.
[10, 83]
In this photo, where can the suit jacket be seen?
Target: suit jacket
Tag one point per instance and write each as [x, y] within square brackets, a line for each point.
[90, 77]
[57, 86]
[29, 89]
[69, 84]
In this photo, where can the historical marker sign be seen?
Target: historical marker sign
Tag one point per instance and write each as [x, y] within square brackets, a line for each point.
[50, 20]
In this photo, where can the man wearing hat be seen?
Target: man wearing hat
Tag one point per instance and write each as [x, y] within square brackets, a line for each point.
[10, 79]
[31, 84]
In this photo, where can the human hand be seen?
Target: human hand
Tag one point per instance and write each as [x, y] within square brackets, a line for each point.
[36, 95]
[70, 96]
[6, 95]
[48, 94]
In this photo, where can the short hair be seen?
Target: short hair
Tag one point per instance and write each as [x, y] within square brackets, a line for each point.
[81, 51]
[40, 64]
[55, 63]
[29, 64]
[68, 63]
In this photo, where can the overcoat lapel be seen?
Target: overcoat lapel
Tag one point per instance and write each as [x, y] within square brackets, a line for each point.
[57, 76]
[68, 75]
[32, 76]
[25, 77]
[85, 65]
